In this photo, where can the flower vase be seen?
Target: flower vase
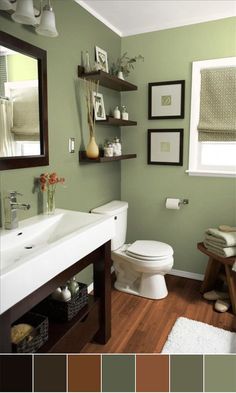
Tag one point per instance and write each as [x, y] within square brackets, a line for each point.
[50, 201]
[121, 75]
[92, 150]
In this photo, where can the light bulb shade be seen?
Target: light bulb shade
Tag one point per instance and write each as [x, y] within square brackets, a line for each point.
[47, 25]
[24, 12]
[5, 5]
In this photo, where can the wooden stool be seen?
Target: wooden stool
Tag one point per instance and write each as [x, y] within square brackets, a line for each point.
[214, 265]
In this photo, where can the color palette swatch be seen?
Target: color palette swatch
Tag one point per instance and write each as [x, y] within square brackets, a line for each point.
[117, 373]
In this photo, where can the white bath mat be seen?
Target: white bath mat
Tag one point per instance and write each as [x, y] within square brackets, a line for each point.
[188, 336]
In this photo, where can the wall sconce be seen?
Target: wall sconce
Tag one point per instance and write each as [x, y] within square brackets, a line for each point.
[23, 11]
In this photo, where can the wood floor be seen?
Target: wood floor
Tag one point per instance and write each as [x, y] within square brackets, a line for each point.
[141, 325]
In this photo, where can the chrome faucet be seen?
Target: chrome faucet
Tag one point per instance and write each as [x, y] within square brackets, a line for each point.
[10, 207]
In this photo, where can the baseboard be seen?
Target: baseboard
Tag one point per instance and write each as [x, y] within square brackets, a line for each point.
[174, 272]
[183, 273]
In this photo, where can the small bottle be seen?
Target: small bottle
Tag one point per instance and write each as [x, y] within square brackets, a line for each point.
[124, 113]
[87, 67]
[73, 286]
[117, 147]
[116, 113]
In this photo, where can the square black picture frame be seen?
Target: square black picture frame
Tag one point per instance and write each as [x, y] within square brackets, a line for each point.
[165, 146]
[166, 100]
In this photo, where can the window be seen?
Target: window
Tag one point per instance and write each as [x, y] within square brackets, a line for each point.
[207, 158]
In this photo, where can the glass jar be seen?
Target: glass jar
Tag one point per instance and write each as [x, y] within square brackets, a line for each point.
[124, 113]
[117, 147]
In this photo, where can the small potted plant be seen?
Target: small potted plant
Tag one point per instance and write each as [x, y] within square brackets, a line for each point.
[124, 64]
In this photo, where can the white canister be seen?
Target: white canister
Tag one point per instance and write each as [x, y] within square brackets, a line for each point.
[116, 113]
[117, 147]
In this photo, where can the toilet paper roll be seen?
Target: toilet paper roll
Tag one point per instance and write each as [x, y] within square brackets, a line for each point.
[173, 203]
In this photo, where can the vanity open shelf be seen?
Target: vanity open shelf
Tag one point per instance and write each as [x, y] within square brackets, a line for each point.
[111, 121]
[85, 160]
[93, 321]
[106, 80]
[74, 334]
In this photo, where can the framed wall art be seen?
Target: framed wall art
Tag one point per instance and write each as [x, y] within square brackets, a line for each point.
[101, 58]
[165, 147]
[166, 100]
[99, 108]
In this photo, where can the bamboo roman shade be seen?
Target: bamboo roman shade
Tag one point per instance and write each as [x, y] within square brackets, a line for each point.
[217, 120]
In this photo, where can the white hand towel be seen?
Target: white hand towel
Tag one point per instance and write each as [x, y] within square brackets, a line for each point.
[225, 239]
[224, 252]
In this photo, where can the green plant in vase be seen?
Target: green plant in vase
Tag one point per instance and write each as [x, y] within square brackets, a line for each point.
[48, 183]
[124, 65]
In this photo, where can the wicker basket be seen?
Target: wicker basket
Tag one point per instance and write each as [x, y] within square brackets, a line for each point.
[37, 337]
[65, 311]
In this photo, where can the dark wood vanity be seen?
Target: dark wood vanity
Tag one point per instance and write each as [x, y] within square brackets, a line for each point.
[92, 322]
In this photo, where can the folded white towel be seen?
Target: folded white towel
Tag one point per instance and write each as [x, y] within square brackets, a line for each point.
[224, 252]
[224, 239]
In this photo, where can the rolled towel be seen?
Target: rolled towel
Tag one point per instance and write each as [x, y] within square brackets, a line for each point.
[224, 239]
[224, 252]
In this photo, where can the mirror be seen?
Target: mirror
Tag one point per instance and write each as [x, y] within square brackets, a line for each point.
[23, 104]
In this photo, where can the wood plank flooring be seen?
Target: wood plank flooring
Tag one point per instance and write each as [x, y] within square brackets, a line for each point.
[141, 325]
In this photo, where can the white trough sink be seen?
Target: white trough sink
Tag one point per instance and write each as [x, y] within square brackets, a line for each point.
[44, 246]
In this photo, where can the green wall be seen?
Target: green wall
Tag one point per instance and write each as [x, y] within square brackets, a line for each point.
[168, 56]
[87, 186]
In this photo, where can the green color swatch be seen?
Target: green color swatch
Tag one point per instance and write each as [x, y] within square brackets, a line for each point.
[220, 373]
[118, 373]
[186, 373]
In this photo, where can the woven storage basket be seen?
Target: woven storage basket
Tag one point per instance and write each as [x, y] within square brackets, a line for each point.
[65, 311]
[32, 342]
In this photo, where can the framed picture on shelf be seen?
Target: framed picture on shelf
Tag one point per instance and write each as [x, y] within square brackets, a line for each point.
[165, 147]
[101, 58]
[99, 108]
[166, 100]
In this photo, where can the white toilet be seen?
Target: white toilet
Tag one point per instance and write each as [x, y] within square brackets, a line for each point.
[140, 267]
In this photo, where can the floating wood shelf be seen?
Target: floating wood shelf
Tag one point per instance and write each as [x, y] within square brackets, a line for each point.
[106, 80]
[84, 159]
[111, 121]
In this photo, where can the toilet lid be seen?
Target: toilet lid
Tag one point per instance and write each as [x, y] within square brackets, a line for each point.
[149, 250]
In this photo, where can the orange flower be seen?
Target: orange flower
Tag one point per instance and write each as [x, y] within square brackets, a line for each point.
[49, 180]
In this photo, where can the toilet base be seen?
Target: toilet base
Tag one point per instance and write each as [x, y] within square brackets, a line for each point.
[151, 286]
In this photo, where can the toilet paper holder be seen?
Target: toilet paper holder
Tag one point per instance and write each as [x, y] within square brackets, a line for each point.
[181, 201]
[184, 201]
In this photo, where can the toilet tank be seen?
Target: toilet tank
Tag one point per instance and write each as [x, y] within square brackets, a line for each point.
[118, 210]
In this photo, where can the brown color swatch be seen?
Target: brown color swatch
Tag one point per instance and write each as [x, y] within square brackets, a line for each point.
[84, 373]
[15, 373]
[50, 373]
[152, 373]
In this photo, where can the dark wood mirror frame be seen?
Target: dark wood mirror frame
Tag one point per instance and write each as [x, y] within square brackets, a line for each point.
[41, 56]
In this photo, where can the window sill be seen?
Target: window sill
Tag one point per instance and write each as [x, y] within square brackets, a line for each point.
[208, 173]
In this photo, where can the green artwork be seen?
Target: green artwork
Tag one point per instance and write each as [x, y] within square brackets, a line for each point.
[165, 147]
[165, 100]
